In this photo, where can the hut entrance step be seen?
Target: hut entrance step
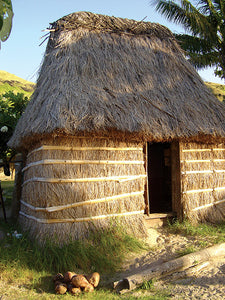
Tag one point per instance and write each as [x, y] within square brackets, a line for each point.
[158, 220]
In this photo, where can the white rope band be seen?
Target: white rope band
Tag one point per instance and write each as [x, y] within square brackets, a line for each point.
[95, 179]
[202, 172]
[64, 148]
[222, 188]
[203, 150]
[208, 205]
[82, 162]
[77, 204]
[86, 219]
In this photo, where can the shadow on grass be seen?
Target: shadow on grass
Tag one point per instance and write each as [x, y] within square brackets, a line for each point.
[44, 285]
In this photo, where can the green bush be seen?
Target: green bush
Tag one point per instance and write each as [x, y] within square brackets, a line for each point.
[11, 108]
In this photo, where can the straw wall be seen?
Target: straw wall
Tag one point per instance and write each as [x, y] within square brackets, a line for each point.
[203, 181]
[72, 185]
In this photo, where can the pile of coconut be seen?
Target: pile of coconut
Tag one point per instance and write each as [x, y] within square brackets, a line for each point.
[75, 283]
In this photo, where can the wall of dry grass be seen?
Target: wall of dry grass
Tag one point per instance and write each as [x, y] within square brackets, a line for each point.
[203, 181]
[50, 182]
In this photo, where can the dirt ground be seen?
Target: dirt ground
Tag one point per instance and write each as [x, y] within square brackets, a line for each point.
[206, 283]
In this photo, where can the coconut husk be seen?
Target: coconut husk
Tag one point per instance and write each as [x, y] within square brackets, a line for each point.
[61, 288]
[68, 276]
[74, 290]
[89, 288]
[79, 281]
[93, 278]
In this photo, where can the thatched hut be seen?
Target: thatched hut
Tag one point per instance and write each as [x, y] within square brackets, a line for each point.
[120, 125]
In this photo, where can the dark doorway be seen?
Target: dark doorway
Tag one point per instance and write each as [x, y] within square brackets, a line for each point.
[159, 178]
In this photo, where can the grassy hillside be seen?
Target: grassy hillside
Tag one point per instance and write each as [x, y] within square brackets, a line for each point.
[10, 82]
[217, 89]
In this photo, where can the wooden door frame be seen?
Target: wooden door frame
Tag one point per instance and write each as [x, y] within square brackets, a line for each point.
[176, 179]
[146, 190]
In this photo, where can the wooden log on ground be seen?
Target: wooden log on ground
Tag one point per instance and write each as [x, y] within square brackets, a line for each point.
[169, 267]
[192, 271]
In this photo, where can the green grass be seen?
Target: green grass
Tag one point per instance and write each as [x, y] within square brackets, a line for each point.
[10, 82]
[26, 269]
[100, 294]
[147, 285]
[104, 251]
[187, 250]
[207, 233]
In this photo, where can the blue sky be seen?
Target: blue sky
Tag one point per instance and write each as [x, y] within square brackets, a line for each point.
[21, 54]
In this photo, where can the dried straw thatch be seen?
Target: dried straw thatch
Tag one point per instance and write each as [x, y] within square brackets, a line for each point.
[103, 74]
[106, 86]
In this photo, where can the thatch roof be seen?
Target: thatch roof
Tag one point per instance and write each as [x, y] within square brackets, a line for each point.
[111, 76]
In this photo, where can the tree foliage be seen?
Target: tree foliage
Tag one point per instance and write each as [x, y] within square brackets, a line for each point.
[11, 108]
[6, 16]
[205, 21]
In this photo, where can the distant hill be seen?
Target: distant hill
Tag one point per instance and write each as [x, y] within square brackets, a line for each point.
[217, 89]
[10, 82]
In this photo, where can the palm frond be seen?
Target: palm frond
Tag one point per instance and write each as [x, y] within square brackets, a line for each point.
[194, 44]
[201, 61]
[221, 7]
[185, 14]
[207, 7]
[206, 24]
[171, 11]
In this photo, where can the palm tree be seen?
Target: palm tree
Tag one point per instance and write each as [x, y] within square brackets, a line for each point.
[205, 21]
